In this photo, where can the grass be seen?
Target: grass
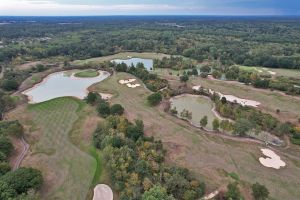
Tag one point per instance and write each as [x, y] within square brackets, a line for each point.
[87, 74]
[68, 171]
[205, 155]
[279, 71]
[123, 55]
[270, 100]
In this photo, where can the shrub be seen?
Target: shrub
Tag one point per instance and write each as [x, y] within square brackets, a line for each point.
[10, 85]
[260, 192]
[23, 179]
[154, 99]
[103, 109]
[116, 109]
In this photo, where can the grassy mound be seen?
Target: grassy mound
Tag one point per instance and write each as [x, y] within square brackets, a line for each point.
[87, 74]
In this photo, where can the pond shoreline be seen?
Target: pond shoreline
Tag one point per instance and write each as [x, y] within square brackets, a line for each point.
[217, 115]
[48, 76]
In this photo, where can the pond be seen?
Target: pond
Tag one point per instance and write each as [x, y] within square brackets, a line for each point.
[198, 106]
[62, 84]
[148, 63]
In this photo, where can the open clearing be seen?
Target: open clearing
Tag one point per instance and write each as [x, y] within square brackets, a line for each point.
[124, 55]
[68, 171]
[209, 157]
[274, 71]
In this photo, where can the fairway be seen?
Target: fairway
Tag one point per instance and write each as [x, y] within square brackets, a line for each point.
[209, 157]
[68, 171]
[124, 55]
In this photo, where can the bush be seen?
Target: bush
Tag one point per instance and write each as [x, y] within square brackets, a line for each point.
[184, 78]
[116, 109]
[103, 109]
[154, 99]
[92, 98]
[4, 168]
[10, 85]
[260, 192]
[23, 179]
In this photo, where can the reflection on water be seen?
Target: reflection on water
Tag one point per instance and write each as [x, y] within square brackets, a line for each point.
[148, 63]
[62, 84]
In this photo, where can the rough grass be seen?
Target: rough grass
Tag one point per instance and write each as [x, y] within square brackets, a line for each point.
[68, 170]
[87, 74]
[207, 156]
[289, 106]
[279, 71]
[123, 55]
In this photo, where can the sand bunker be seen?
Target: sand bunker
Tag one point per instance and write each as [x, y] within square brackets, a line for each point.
[133, 85]
[129, 83]
[272, 160]
[106, 96]
[196, 87]
[272, 73]
[126, 81]
[102, 192]
[234, 99]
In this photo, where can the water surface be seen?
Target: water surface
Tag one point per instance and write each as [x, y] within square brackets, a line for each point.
[62, 84]
[148, 63]
[198, 105]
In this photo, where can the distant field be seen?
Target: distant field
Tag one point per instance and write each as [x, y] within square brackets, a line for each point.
[124, 55]
[68, 171]
[209, 157]
[274, 71]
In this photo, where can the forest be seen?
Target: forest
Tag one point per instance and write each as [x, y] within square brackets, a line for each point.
[268, 42]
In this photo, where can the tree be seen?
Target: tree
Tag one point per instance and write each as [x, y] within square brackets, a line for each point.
[23, 179]
[203, 121]
[154, 99]
[4, 168]
[223, 100]
[260, 192]
[157, 193]
[242, 126]
[5, 145]
[103, 109]
[184, 78]
[116, 109]
[233, 192]
[205, 69]
[92, 97]
[6, 192]
[216, 124]
[10, 85]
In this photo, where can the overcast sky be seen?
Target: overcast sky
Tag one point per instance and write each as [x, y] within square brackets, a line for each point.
[148, 7]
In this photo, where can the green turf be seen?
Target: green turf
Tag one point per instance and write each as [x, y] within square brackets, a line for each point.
[74, 169]
[87, 74]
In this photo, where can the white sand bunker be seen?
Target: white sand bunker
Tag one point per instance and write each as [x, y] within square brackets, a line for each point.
[133, 85]
[129, 83]
[196, 87]
[102, 192]
[106, 96]
[272, 160]
[272, 73]
[234, 99]
[126, 81]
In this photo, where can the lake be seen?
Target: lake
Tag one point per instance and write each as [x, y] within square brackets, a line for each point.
[62, 84]
[148, 63]
[199, 107]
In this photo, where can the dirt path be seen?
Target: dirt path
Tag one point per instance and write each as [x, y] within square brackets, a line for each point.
[22, 154]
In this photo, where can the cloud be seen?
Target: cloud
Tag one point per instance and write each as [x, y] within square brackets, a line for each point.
[51, 7]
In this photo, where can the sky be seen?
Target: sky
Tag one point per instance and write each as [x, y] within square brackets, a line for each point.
[147, 7]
